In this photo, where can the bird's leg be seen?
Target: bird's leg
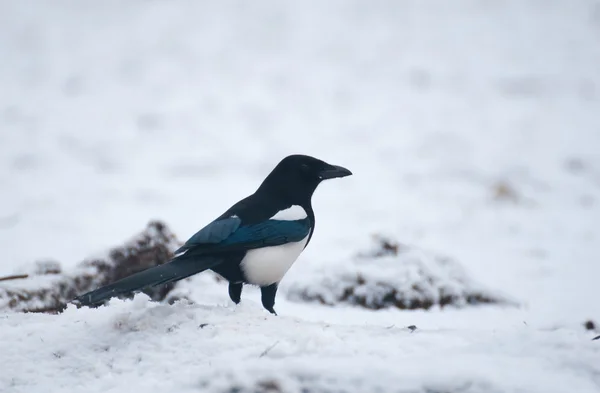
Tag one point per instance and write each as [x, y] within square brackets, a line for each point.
[268, 297]
[235, 291]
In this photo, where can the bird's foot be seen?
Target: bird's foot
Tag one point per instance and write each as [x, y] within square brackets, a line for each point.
[272, 311]
[235, 292]
[268, 297]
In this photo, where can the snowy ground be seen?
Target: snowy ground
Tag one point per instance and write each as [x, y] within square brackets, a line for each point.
[114, 113]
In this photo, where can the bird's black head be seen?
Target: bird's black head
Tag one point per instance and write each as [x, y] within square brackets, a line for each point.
[296, 177]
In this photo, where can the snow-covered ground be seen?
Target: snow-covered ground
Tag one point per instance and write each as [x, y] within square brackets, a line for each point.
[472, 129]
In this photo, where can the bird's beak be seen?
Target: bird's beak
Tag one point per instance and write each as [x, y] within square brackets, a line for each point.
[333, 171]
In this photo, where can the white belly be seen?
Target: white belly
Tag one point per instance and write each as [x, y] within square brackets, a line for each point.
[267, 265]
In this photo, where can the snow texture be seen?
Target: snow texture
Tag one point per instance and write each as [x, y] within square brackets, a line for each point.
[471, 127]
[393, 275]
[198, 348]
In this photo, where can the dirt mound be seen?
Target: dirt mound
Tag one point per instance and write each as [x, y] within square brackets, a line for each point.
[393, 275]
[46, 288]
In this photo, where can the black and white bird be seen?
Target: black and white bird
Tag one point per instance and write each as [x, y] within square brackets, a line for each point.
[254, 242]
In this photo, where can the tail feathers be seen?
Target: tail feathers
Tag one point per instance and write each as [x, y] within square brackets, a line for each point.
[177, 269]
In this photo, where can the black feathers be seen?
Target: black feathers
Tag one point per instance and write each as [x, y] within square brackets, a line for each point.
[177, 269]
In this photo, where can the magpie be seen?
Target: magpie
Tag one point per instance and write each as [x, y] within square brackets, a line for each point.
[254, 242]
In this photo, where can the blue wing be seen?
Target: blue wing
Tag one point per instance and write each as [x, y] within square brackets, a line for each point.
[229, 235]
[269, 233]
[214, 232]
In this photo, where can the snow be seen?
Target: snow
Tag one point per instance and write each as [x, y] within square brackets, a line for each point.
[155, 347]
[471, 127]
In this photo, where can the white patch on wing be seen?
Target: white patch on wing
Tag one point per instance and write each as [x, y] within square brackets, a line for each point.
[294, 212]
[267, 265]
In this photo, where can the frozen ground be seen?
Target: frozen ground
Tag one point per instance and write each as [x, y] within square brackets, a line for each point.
[113, 113]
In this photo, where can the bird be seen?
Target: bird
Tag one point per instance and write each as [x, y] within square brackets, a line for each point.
[254, 242]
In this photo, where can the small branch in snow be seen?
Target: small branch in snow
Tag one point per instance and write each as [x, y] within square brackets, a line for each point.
[596, 338]
[15, 277]
[266, 351]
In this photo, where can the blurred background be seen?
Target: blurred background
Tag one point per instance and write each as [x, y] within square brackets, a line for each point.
[472, 127]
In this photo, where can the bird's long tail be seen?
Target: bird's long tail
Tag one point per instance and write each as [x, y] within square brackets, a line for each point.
[175, 270]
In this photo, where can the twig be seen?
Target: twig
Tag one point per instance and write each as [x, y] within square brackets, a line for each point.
[266, 351]
[15, 277]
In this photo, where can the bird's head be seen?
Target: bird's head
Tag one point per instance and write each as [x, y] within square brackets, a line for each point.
[296, 177]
